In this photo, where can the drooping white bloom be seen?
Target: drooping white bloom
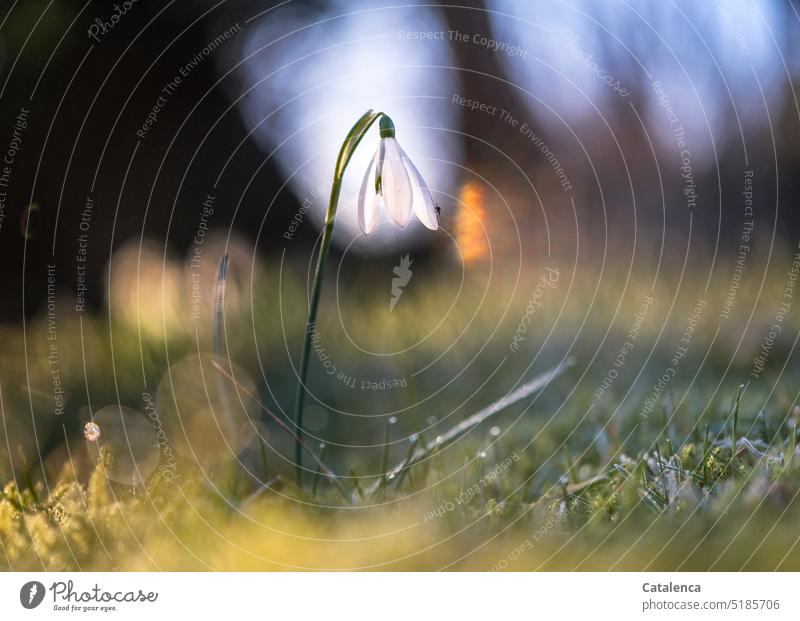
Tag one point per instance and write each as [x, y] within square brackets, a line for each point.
[392, 182]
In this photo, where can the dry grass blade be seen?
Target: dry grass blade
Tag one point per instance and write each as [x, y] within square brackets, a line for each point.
[526, 390]
[219, 304]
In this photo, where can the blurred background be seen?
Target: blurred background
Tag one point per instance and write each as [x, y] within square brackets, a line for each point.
[259, 117]
[635, 149]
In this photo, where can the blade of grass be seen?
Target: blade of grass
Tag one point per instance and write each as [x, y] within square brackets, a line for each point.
[577, 488]
[322, 449]
[356, 484]
[661, 471]
[526, 390]
[736, 417]
[219, 318]
[264, 471]
[735, 428]
[219, 304]
[569, 464]
[26, 476]
[385, 457]
[406, 470]
[267, 486]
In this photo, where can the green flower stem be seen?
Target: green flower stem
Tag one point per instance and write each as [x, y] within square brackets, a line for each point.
[345, 153]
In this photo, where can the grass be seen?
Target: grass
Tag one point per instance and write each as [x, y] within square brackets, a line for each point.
[703, 506]
[561, 475]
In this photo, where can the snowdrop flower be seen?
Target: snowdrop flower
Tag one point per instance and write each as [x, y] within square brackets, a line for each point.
[394, 183]
[391, 181]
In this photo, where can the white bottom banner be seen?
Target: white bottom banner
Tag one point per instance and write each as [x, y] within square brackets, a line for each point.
[400, 596]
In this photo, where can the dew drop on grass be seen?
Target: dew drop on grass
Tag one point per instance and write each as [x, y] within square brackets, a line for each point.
[392, 420]
[91, 432]
[495, 431]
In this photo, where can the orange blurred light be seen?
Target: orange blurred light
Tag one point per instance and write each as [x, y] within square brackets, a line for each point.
[471, 234]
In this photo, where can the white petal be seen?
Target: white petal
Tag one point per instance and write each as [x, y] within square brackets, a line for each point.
[423, 201]
[396, 186]
[368, 199]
